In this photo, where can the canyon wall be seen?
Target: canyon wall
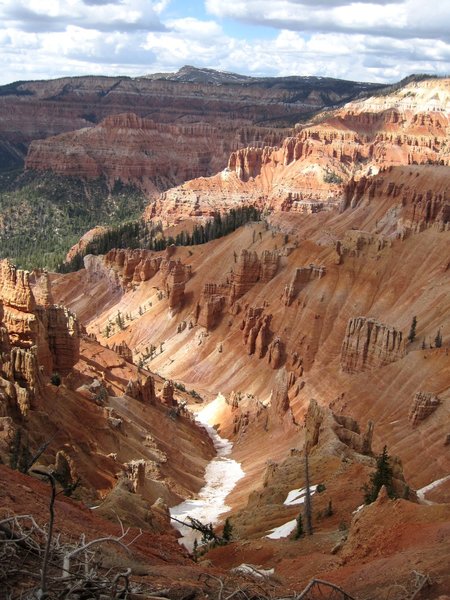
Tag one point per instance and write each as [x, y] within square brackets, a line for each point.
[369, 345]
[310, 171]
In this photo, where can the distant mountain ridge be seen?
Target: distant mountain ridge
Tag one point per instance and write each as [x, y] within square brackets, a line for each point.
[39, 109]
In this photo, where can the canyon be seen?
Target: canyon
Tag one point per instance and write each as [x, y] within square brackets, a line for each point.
[301, 320]
[236, 110]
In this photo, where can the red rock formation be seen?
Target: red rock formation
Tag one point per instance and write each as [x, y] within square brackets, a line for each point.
[308, 172]
[245, 275]
[302, 276]
[423, 405]
[167, 394]
[61, 337]
[368, 344]
[211, 304]
[263, 336]
[270, 261]
[153, 155]
[175, 283]
[35, 340]
[276, 353]
[42, 290]
[324, 427]
[39, 109]
[124, 351]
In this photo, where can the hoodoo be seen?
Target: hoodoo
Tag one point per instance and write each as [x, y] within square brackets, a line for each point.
[299, 269]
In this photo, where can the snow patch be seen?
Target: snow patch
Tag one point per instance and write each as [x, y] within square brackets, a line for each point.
[434, 484]
[221, 476]
[282, 531]
[298, 496]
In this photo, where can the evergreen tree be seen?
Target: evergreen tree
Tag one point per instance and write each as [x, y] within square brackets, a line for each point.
[382, 476]
[299, 529]
[227, 533]
[412, 331]
[438, 339]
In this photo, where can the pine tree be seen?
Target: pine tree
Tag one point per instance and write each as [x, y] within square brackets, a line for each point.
[412, 331]
[438, 339]
[382, 476]
[195, 550]
[299, 529]
[227, 533]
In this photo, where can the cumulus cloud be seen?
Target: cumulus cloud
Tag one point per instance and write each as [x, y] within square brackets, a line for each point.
[370, 40]
[100, 15]
[395, 18]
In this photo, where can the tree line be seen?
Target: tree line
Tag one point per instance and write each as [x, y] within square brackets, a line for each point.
[149, 236]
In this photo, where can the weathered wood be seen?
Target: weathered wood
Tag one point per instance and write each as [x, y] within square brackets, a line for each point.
[315, 584]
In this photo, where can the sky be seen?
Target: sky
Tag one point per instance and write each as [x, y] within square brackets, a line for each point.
[366, 40]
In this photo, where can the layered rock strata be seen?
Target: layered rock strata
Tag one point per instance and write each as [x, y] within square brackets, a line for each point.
[123, 269]
[327, 164]
[35, 341]
[423, 405]
[302, 276]
[368, 344]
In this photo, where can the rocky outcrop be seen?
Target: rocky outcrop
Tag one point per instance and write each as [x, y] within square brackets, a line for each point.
[276, 353]
[61, 337]
[332, 163]
[248, 162]
[35, 340]
[211, 304]
[270, 260]
[15, 290]
[142, 389]
[153, 155]
[42, 290]
[167, 394]
[249, 269]
[368, 344]
[175, 283]
[122, 269]
[39, 109]
[124, 351]
[423, 405]
[245, 275]
[131, 266]
[135, 473]
[259, 339]
[419, 205]
[339, 432]
[302, 276]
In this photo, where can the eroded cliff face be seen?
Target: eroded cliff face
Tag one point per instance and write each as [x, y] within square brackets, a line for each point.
[39, 109]
[274, 301]
[309, 172]
[369, 344]
[57, 383]
[153, 156]
[36, 340]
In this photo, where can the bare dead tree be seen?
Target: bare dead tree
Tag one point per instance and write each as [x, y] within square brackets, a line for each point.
[37, 564]
[308, 503]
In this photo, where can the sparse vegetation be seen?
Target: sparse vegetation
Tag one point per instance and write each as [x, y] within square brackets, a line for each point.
[412, 330]
[299, 527]
[139, 234]
[55, 379]
[438, 339]
[44, 215]
[227, 532]
[382, 476]
[332, 177]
